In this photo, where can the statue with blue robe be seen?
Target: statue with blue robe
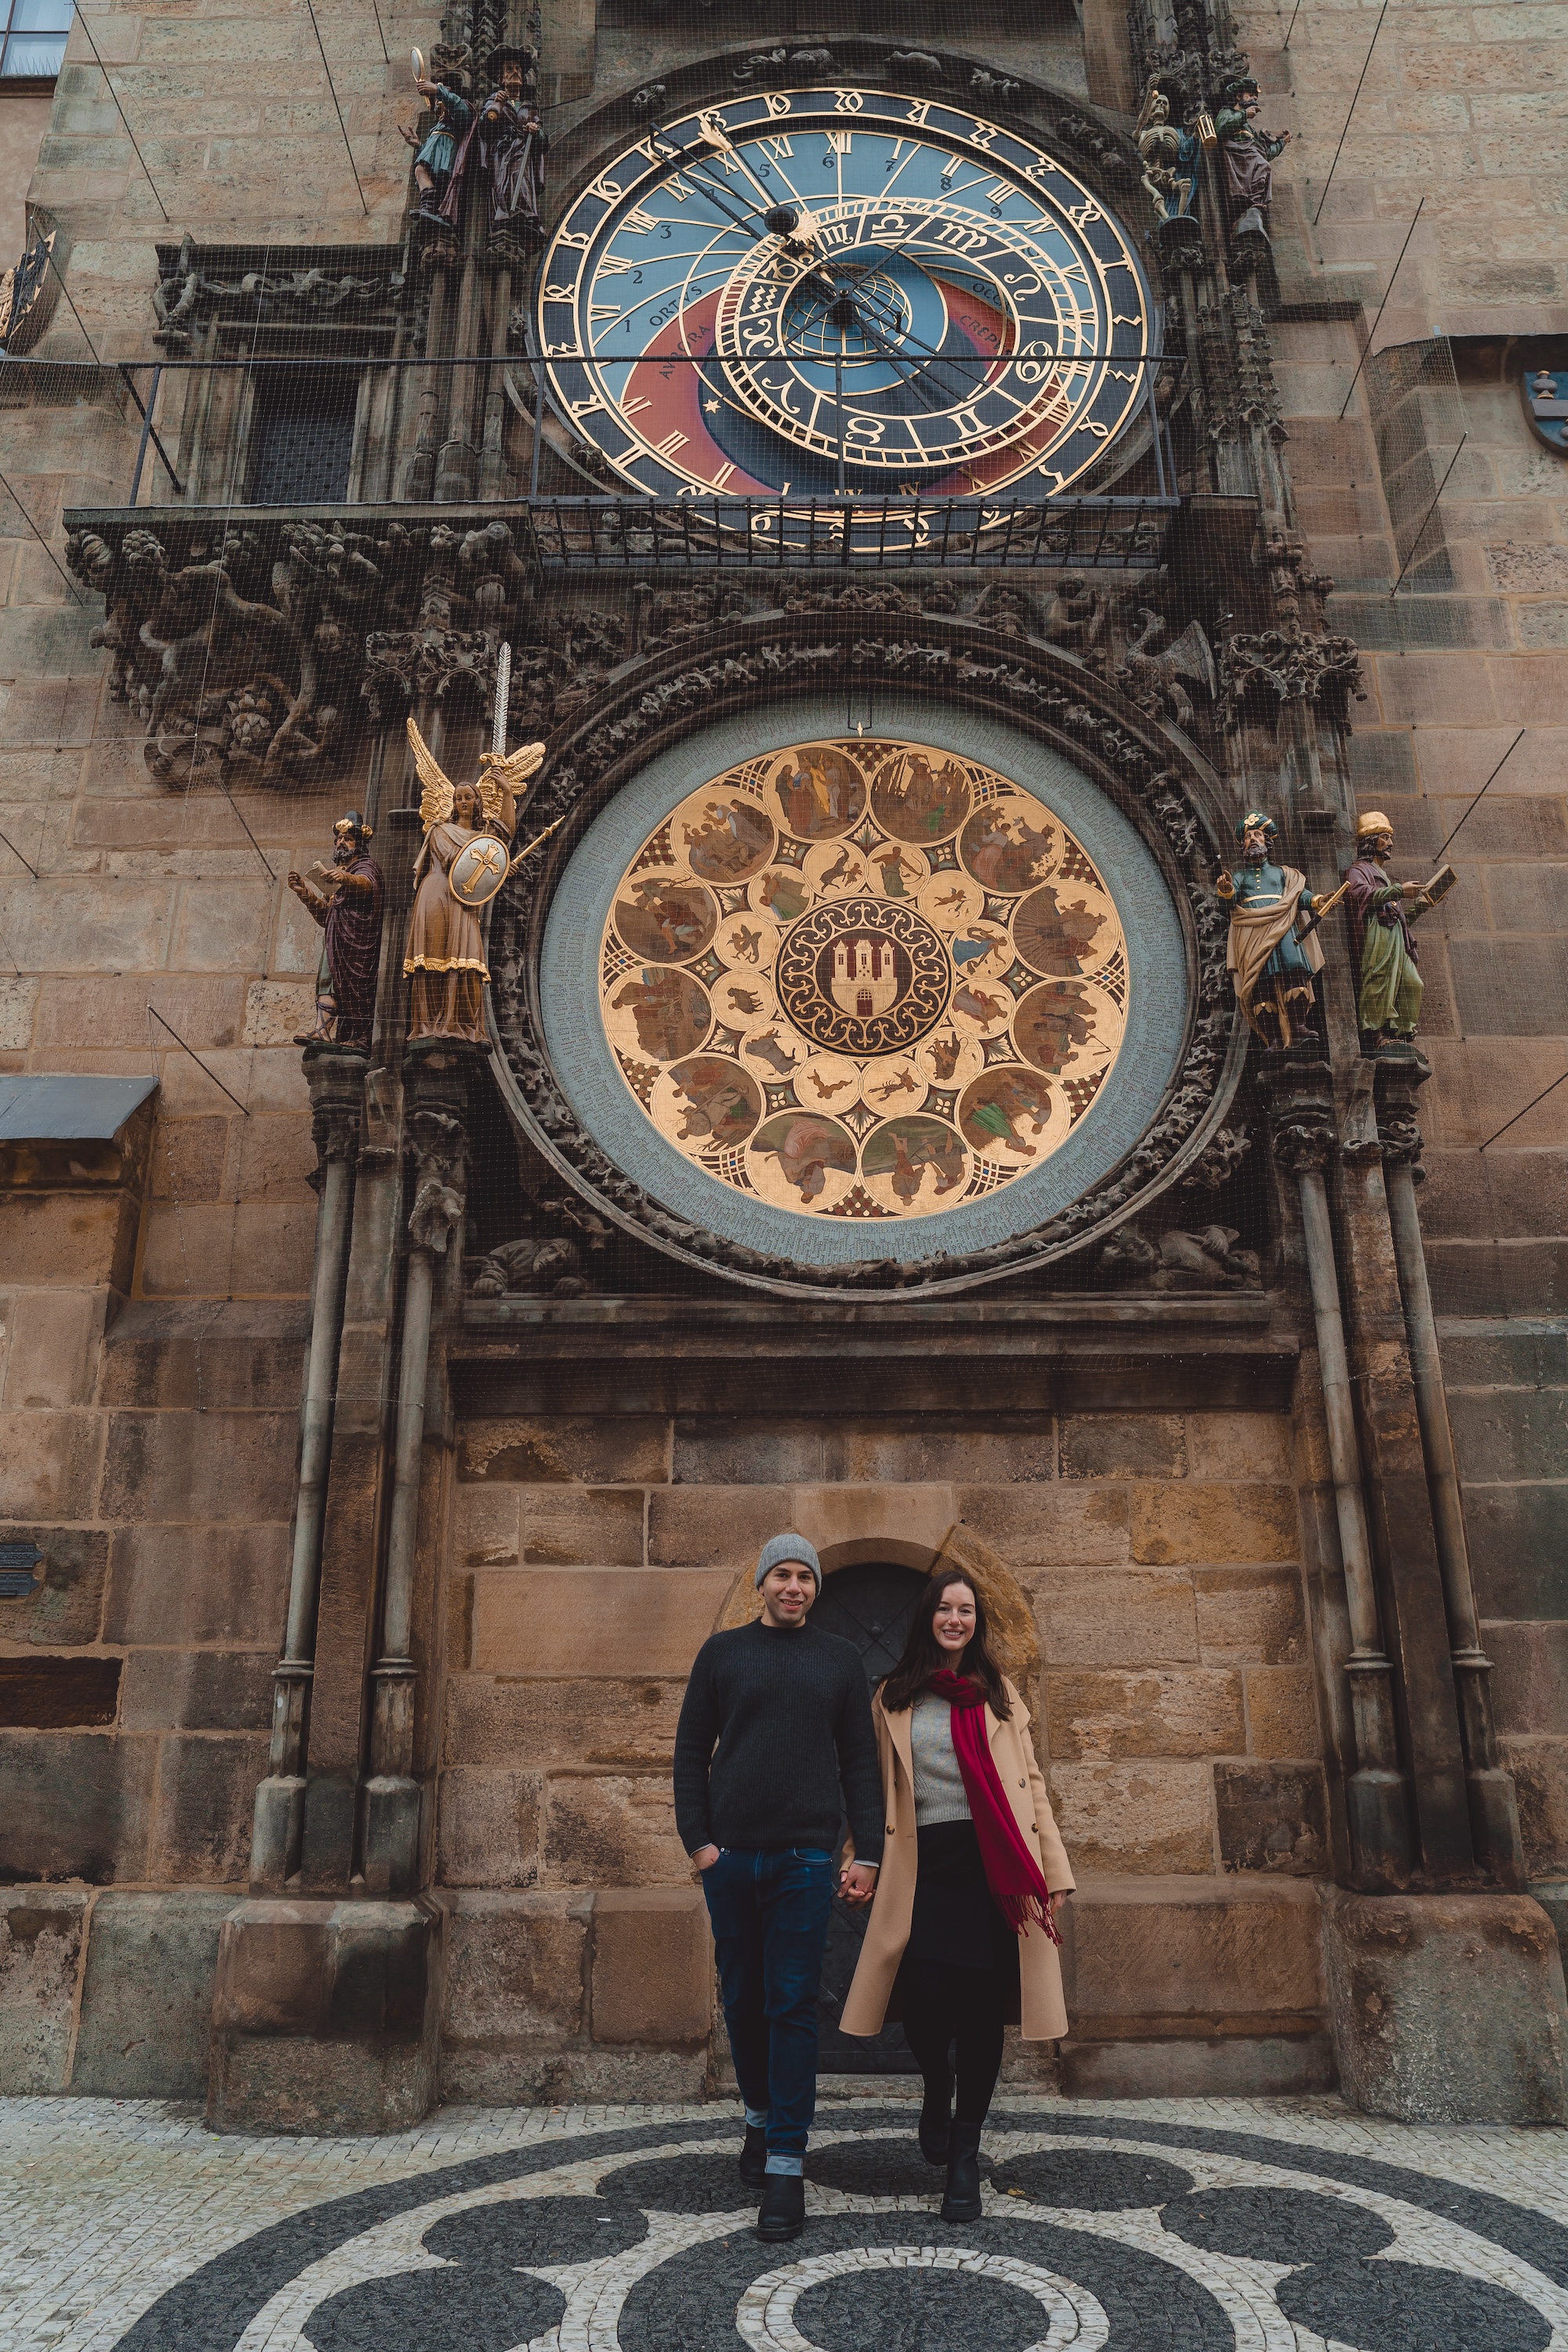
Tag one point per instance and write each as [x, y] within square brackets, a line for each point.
[1272, 961]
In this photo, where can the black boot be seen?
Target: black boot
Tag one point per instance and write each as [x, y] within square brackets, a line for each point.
[783, 2213]
[936, 2117]
[752, 2160]
[962, 2202]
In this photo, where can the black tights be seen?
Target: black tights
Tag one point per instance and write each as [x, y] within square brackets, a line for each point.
[943, 2004]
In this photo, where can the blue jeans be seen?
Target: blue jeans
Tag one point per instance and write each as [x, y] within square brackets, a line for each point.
[769, 1914]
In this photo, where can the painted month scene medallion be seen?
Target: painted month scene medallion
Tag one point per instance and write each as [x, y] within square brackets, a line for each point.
[863, 979]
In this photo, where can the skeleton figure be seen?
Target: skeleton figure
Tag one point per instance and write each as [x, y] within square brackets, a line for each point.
[1170, 156]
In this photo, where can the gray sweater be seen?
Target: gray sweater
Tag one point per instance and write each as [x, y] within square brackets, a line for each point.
[774, 1721]
[939, 1783]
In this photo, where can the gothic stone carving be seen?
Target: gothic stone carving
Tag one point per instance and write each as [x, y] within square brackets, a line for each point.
[1172, 1260]
[248, 652]
[198, 284]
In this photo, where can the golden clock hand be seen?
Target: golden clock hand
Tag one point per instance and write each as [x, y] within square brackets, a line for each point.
[804, 228]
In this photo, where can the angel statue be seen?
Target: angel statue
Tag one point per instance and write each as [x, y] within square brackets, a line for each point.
[445, 959]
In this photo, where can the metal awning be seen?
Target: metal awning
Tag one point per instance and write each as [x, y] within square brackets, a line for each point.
[56, 1108]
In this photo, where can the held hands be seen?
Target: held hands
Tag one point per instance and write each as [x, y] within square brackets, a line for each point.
[857, 1884]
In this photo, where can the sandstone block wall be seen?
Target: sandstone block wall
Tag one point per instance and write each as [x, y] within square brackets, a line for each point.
[1460, 108]
[1158, 1554]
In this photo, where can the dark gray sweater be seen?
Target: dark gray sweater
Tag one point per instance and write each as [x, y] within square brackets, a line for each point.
[774, 1720]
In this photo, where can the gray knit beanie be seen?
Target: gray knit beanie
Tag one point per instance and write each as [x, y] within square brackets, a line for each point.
[778, 1548]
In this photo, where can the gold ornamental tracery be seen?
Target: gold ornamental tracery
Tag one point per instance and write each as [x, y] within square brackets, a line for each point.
[864, 979]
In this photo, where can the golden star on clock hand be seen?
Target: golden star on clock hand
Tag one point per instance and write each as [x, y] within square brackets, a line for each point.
[807, 228]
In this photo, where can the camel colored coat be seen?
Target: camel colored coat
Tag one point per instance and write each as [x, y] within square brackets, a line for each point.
[1045, 2017]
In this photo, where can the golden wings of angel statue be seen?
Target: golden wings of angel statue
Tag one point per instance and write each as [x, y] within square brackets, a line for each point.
[464, 859]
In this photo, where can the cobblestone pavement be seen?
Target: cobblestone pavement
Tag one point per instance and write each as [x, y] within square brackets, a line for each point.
[1165, 2226]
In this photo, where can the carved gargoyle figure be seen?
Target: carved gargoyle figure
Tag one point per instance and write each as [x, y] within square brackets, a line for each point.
[764, 62]
[1153, 677]
[1208, 1260]
[532, 1267]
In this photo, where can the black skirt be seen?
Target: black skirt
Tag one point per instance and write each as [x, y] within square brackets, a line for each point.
[955, 1923]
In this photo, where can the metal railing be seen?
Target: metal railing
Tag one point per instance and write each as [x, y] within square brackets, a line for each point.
[722, 534]
[456, 435]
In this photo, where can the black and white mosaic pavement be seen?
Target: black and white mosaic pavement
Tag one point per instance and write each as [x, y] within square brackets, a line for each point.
[1165, 2228]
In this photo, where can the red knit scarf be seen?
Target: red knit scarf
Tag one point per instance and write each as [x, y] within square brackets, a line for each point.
[1016, 1883]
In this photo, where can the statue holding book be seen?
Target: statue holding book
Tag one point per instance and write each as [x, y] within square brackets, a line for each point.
[1389, 984]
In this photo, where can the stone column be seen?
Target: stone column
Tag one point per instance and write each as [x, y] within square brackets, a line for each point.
[336, 1076]
[1300, 1109]
[1494, 1809]
[436, 1075]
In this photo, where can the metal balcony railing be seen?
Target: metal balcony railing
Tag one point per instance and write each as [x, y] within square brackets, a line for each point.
[366, 439]
[724, 534]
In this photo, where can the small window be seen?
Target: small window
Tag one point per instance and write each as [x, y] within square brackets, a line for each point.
[301, 436]
[35, 38]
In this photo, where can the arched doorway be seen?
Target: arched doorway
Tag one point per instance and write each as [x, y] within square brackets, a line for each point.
[871, 1605]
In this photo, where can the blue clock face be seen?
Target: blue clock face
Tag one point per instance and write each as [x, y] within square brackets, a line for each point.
[815, 289]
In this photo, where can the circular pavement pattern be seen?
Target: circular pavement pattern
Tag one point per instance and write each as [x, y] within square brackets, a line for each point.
[1100, 2234]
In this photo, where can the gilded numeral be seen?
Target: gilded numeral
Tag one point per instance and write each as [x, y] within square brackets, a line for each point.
[983, 133]
[670, 444]
[776, 103]
[644, 223]
[562, 293]
[1081, 214]
[1117, 320]
[635, 405]
[849, 101]
[840, 140]
[722, 478]
[779, 147]
[579, 239]
[919, 113]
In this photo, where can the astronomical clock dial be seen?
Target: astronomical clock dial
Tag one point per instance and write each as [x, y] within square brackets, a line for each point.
[863, 980]
[760, 294]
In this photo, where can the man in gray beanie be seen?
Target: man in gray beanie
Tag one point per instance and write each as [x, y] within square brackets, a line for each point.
[776, 1720]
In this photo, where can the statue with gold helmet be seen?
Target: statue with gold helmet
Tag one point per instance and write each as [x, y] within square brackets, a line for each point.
[1272, 956]
[1388, 980]
[465, 857]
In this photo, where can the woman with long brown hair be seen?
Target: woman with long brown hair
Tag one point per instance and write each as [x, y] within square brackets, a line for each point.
[972, 1871]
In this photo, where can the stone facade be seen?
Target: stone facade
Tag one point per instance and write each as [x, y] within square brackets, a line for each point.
[464, 1875]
